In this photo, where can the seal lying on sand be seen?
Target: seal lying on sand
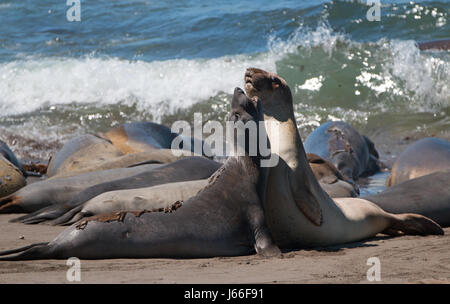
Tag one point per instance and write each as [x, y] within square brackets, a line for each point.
[156, 197]
[48, 192]
[423, 157]
[6, 152]
[298, 212]
[162, 196]
[11, 178]
[352, 153]
[428, 195]
[189, 168]
[138, 137]
[225, 219]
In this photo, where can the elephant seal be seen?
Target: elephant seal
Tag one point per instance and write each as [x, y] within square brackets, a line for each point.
[155, 197]
[138, 137]
[188, 168]
[439, 45]
[423, 157]
[48, 192]
[11, 178]
[298, 211]
[80, 150]
[6, 152]
[353, 155]
[428, 195]
[225, 219]
[330, 179]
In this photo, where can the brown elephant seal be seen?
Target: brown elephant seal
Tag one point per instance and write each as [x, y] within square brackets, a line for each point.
[149, 198]
[188, 168]
[138, 137]
[298, 212]
[330, 179]
[428, 195]
[353, 154]
[41, 194]
[225, 219]
[9, 155]
[438, 45]
[422, 157]
[11, 178]
[79, 151]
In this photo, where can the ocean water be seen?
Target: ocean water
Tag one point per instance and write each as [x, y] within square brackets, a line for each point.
[132, 60]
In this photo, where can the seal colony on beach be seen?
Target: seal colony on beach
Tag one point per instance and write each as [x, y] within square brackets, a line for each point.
[225, 219]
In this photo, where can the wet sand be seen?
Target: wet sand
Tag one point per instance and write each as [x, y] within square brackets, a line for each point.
[407, 259]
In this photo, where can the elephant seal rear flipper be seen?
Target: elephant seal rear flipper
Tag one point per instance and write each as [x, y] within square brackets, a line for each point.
[225, 219]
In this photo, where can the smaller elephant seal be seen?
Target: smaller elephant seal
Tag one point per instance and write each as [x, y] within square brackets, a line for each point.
[438, 45]
[41, 194]
[11, 178]
[423, 157]
[155, 197]
[428, 195]
[138, 137]
[225, 219]
[188, 168]
[353, 154]
[330, 179]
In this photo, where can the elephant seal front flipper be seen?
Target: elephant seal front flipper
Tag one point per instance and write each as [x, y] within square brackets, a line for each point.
[225, 219]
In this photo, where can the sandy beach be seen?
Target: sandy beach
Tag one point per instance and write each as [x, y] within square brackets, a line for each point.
[406, 259]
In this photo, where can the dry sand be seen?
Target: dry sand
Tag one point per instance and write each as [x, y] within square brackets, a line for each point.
[407, 259]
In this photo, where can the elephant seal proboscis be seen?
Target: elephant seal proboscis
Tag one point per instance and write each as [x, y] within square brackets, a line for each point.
[298, 212]
[41, 194]
[225, 219]
[428, 195]
[353, 154]
[185, 169]
[422, 157]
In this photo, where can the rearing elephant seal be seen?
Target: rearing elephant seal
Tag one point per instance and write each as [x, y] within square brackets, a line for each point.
[423, 157]
[338, 142]
[298, 212]
[225, 219]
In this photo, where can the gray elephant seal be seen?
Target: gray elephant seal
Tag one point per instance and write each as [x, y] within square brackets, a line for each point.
[428, 195]
[188, 168]
[298, 212]
[48, 192]
[423, 157]
[225, 219]
[155, 197]
[353, 154]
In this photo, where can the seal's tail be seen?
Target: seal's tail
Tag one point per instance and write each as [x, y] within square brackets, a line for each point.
[11, 204]
[42, 215]
[31, 252]
[413, 224]
[69, 217]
